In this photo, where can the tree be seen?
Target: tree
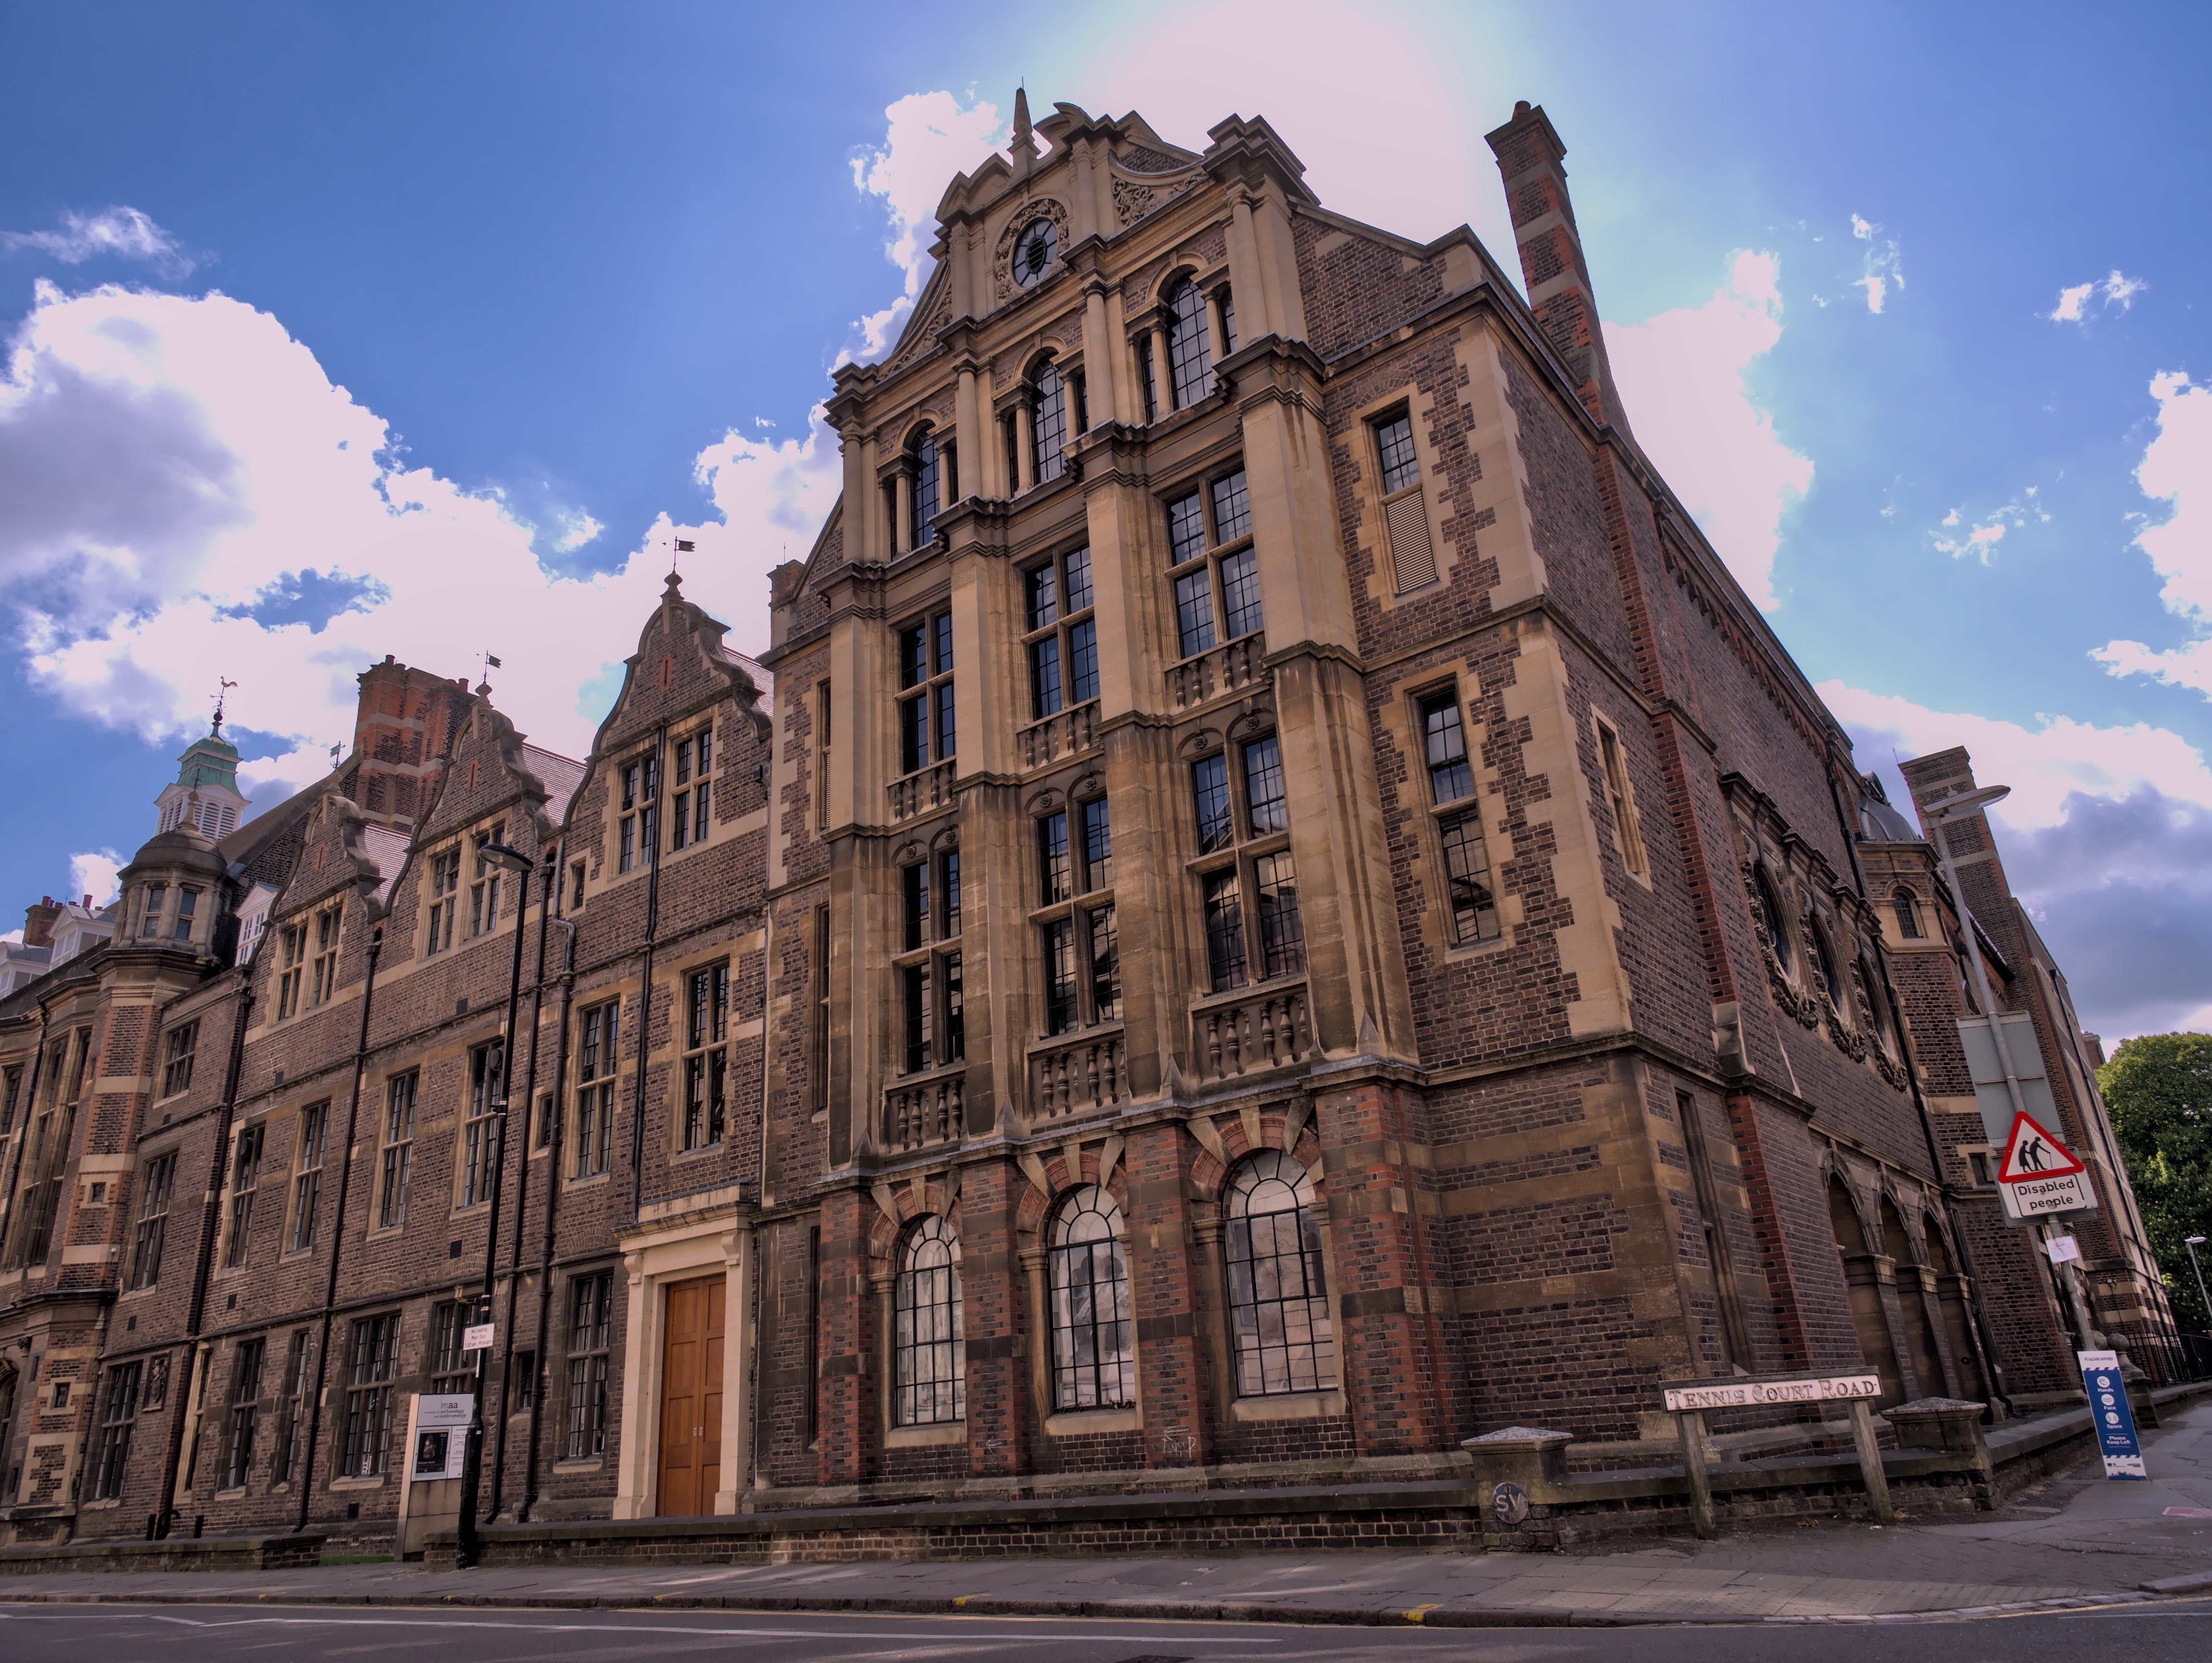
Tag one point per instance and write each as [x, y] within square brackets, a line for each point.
[2159, 1089]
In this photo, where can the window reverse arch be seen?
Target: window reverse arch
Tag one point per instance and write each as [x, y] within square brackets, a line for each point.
[1278, 1295]
[926, 1341]
[1093, 1358]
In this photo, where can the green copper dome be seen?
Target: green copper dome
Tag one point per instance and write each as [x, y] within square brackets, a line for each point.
[209, 761]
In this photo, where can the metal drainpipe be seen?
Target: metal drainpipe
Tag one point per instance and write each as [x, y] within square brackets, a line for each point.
[753, 1230]
[645, 982]
[306, 1470]
[552, 1219]
[522, 1178]
[204, 1259]
[1978, 1327]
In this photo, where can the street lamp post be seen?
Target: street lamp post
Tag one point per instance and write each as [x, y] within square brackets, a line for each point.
[1937, 816]
[465, 1537]
[2190, 1243]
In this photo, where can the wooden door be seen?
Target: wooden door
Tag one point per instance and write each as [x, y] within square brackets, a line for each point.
[691, 1398]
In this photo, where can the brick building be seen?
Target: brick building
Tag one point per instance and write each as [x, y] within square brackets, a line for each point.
[1271, 907]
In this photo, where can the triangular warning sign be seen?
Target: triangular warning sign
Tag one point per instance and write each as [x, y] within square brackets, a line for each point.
[2031, 1152]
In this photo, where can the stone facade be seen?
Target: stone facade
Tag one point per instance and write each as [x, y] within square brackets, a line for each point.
[1271, 908]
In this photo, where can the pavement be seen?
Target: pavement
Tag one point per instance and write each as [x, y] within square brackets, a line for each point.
[2078, 1541]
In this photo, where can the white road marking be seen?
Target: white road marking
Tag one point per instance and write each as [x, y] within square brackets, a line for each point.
[654, 1628]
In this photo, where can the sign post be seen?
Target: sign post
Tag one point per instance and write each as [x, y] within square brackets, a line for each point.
[1688, 1401]
[2109, 1412]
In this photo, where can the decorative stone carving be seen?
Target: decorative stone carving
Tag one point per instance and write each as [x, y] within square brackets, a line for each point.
[1793, 1000]
[1002, 257]
[1131, 202]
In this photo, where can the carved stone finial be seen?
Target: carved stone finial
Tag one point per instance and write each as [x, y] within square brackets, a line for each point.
[1023, 140]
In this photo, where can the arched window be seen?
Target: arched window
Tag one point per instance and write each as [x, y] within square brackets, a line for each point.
[1048, 421]
[1093, 1363]
[924, 482]
[1877, 998]
[1908, 914]
[1278, 1301]
[925, 1338]
[1770, 914]
[1825, 961]
[1190, 347]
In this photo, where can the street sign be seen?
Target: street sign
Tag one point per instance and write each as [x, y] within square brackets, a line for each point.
[444, 1408]
[2038, 1176]
[442, 1420]
[477, 1337]
[2031, 1152]
[1740, 1393]
[2115, 1421]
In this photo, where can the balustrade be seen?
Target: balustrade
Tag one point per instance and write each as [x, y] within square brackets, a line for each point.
[917, 793]
[927, 1111]
[1060, 735]
[1263, 1030]
[1219, 670]
[1090, 1072]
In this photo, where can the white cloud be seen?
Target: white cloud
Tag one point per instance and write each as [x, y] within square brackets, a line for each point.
[2117, 291]
[1880, 270]
[2070, 302]
[2106, 839]
[115, 233]
[93, 873]
[1959, 540]
[2176, 470]
[932, 136]
[169, 465]
[1681, 375]
[1381, 105]
[2043, 764]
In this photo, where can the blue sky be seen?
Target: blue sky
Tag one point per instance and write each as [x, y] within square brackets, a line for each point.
[420, 329]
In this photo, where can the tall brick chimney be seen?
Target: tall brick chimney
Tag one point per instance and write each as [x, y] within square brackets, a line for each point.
[1528, 155]
[403, 733]
[39, 921]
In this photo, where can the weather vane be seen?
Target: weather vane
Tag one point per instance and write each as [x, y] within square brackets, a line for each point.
[222, 689]
[683, 545]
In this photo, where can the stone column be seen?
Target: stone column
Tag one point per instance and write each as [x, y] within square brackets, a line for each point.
[849, 1379]
[1174, 1375]
[634, 1463]
[1099, 355]
[1248, 274]
[1395, 1365]
[994, 1315]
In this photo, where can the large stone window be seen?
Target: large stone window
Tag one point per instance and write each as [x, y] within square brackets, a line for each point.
[1094, 1362]
[1277, 1296]
[927, 1345]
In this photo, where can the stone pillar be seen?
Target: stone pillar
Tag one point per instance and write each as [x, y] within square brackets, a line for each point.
[1175, 1376]
[1395, 1363]
[1248, 275]
[850, 1383]
[1099, 355]
[994, 1314]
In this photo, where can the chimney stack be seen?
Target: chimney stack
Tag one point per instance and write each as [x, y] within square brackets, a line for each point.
[39, 922]
[1529, 154]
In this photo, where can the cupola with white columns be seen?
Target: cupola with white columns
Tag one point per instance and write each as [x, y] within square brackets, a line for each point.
[205, 795]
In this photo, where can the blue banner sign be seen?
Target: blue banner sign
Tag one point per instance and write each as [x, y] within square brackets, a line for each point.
[2108, 1409]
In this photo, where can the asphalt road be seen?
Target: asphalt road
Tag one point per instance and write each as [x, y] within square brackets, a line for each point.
[217, 1634]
